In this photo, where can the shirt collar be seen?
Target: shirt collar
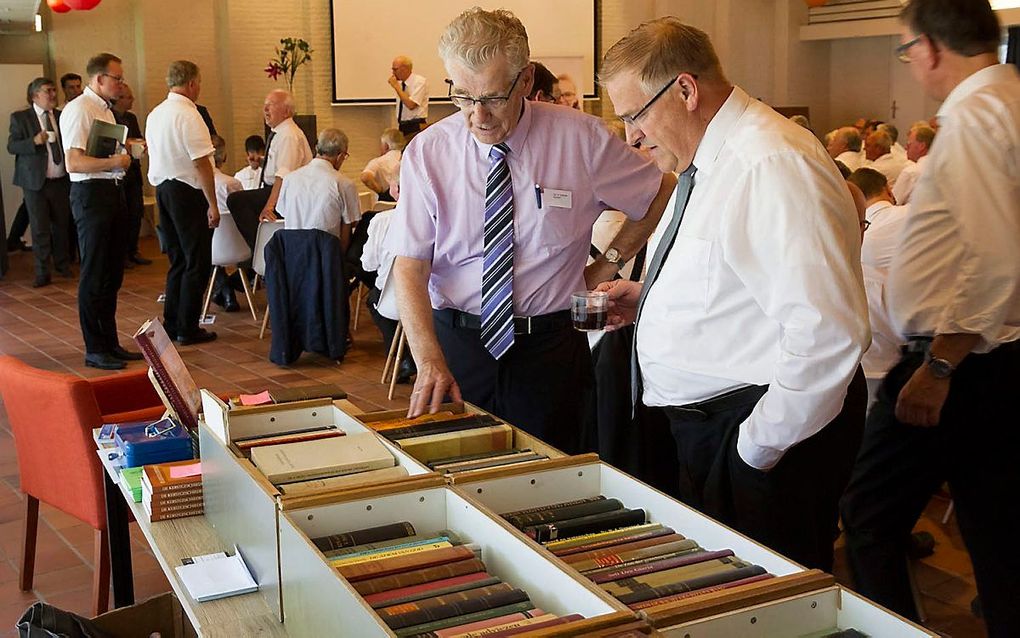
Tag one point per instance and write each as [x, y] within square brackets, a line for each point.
[875, 209]
[282, 125]
[181, 99]
[517, 138]
[719, 128]
[38, 110]
[976, 81]
[95, 98]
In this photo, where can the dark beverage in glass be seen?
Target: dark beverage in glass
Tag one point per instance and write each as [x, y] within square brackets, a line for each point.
[588, 310]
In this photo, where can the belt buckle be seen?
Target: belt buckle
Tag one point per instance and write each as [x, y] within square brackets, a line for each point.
[527, 328]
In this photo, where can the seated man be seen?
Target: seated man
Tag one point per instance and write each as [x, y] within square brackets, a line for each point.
[844, 145]
[878, 152]
[317, 196]
[250, 175]
[919, 142]
[382, 171]
[225, 185]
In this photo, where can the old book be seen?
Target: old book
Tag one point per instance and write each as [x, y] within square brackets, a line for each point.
[166, 514]
[410, 562]
[463, 422]
[660, 564]
[427, 590]
[393, 542]
[496, 625]
[586, 525]
[636, 556]
[294, 437]
[465, 619]
[563, 513]
[164, 478]
[544, 508]
[450, 605]
[156, 500]
[318, 459]
[463, 458]
[435, 446]
[416, 548]
[674, 574]
[589, 542]
[610, 553]
[696, 583]
[704, 590]
[403, 422]
[175, 383]
[548, 621]
[376, 553]
[417, 577]
[513, 458]
[343, 482]
[460, 630]
[362, 536]
[305, 392]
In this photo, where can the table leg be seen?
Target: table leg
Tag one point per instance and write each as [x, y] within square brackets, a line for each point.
[120, 545]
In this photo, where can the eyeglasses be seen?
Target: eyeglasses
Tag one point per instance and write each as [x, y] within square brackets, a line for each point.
[493, 103]
[631, 120]
[902, 50]
[119, 79]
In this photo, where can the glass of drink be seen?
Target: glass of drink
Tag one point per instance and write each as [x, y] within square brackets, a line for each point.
[589, 309]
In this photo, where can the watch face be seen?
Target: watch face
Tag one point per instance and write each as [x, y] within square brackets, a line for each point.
[613, 255]
[940, 368]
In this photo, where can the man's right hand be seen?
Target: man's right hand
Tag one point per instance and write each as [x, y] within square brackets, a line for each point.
[40, 138]
[267, 215]
[433, 383]
[623, 302]
[120, 162]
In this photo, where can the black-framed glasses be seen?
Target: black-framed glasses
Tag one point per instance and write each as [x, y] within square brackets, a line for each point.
[902, 51]
[493, 103]
[631, 120]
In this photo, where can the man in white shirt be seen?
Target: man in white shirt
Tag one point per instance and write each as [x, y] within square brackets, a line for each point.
[412, 96]
[878, 153]
[318, 195]
[896, 149]
[919, 142]
[948, 410]
[100, 213]
[375, 258]
[250, 176]
[752, 318]
[286, 150]
[383, 171]
[181, 169]
[844, 145]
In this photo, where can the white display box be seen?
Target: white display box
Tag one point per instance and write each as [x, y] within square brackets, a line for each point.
[525, 489]
[829, 608]
[318, 601]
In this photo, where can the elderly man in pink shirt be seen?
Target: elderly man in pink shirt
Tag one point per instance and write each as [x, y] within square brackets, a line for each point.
[493, 232]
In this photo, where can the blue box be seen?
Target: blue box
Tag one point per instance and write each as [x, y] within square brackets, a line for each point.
[149, 442]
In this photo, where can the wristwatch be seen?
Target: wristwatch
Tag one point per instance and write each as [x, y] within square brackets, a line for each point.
[940, 368]
[613, 256]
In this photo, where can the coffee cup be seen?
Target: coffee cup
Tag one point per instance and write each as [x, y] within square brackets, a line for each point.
[137, 149]
[589, 310]
[51, 137]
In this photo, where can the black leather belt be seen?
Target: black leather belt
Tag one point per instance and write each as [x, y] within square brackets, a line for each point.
[522, 325]
[701, 410]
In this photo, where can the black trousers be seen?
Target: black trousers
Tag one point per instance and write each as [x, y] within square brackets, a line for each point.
[542, 384]
[974, 448]
[189, 247]
[101, 219]
[246, 206]
[136, 209]
[18, 227]
[793, 507]
[49, 214]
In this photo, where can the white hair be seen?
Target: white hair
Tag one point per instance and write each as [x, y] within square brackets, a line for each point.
[332, 142]
[476, 37]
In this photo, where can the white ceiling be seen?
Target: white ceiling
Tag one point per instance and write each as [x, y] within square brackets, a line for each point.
[18, 15]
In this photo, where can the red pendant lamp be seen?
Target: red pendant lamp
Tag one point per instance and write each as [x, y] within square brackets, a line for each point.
[81, 5]
[58, 6]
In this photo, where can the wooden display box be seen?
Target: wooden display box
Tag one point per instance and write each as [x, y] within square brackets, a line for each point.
[521, 440]
[243, 506]
[826, 609]
[523, 488]
[318, 601]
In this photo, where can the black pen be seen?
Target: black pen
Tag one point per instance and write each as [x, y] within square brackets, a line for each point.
[538, 195]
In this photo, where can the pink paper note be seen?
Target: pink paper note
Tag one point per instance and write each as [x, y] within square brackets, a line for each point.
[256, 399]
[184, 471]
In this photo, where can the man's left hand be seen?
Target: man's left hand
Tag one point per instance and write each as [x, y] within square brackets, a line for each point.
[921, 399]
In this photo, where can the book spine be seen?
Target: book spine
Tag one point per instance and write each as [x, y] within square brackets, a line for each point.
[362, 536]
[705, 590]
[171, 497]
[425, 590]
[693, 584]
[170, 509]
[406, 579]
[600, 540]
[373, 552]
[544, 508]
[614, 574]
[393, 542]
[450, 605]
[586, 524]
[674, 575]
[392, 553]
[463, 620]
[401, 422]
[618, 553]
[575, 511]
[653, 556]
[170, 389]
[389, 566]
[434, 446]
[537, 624]
[440, 427]
[327, 472]
[458, 630]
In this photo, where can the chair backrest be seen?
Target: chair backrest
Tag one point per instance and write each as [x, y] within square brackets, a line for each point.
[381, 206]
[52, 416]
[387, 304]
[367, 200]
[228, 246]
[262, 236]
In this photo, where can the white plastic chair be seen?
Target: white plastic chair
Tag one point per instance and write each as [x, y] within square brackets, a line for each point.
[229, 249]
[387, 307]
[264, 233]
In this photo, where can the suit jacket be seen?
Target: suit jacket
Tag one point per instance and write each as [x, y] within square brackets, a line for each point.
[29, 160]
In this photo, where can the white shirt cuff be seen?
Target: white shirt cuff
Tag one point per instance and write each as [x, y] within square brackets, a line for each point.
[760, 458]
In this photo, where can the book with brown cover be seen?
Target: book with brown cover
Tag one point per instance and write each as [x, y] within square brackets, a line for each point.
[636, 556]
[175, 382]
[434, 446]
[586, 525]
[306, 392]
[362, 536]
[478, 625]
[545, 508]
[391, 542]
[704, 590]
[410, 562]
[157, 478]
[498, 461]
[467, 422]
[419, 576]
[693, 584]
[538, 624]
[660, 564]
[158, 500]
[588, 542]
[427, 590]
[521, 521]
[611, 552]
[294, 437]
[676, 574]
[463, 458]
[449, 605]
[401, 422]
[453, 621]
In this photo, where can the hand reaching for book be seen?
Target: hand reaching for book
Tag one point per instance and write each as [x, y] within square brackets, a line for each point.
[623, 302]
[433, 383]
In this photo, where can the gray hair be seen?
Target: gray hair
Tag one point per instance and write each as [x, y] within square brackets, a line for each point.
[287, 98]
[852, 137]
[881, 138]
[219, 149]
[476, 37]
[180, 73]
[36, 85]
[332, 142]
[801, 120]
[894, 133]
[393, 138]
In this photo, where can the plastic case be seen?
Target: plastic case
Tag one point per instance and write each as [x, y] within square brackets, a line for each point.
[171, 442]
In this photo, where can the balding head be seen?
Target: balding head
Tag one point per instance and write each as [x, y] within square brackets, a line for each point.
[876, 145]
[279, 106]
[402, 67]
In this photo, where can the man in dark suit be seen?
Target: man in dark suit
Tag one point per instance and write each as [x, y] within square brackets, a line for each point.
[39, 170]
[133, 195]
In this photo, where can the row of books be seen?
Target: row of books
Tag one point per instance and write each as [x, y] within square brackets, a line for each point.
[431, 584]
[448, 442]
[166, 490]
[640, 563]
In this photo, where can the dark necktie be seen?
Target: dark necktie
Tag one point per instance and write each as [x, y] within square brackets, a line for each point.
[265, 160]
[55, 151]
[498, 256]
[683, 195]
[400, 108]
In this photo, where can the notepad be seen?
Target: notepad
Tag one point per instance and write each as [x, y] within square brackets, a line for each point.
[184, 471]
[216, 576]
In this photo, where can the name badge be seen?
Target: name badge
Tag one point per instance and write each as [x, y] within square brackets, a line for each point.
[558, 199]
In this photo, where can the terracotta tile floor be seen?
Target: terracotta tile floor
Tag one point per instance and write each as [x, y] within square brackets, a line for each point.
[40, 326]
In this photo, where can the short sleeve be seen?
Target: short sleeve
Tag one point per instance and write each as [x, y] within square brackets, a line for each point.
[419, 92]
[288, 155]
[74, 129]
[352, 205]
[413, 227]
[195, 136]
[621, 178]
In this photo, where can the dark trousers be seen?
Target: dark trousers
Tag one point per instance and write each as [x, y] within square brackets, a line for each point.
[189, 247]
[49, 213]
[101, 219]
[386, 326]
[793, 507]
[542, 384]
[246, 206]
[136, 210]
[974, 448]
[18, 227]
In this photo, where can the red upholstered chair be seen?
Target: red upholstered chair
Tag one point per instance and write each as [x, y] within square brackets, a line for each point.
[52, 416]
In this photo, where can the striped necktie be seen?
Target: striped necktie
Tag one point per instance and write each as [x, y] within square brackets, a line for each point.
[498, 256]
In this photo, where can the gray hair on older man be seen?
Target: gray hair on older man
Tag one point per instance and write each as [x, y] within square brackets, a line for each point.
[477, 36]
[332, 142]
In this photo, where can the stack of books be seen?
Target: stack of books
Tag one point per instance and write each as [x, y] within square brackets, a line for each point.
[131, 478]
[172, 490]
[642, 564]
[431, 583]
[450, 443]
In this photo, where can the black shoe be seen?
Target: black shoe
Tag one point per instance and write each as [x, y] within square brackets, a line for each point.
[226, 300]
[103, 361]
[201, 336]
[125, 355]
[138, 259]
[406, 371]
[42, 281]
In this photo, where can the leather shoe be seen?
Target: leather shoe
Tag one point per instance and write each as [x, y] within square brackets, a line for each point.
[226, 300]
[406, 371]
[42, 281]
[201, 336]
[138, 259]
[125, 355]
[103, 361]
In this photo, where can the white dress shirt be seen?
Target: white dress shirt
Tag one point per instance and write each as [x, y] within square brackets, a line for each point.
[898, 151]
[763, 284]
[76, 122]
[176, 136]
[889, 165]
[288, 151]
[318, 196]
[883, 236]
[852, 159]
[905, 183]
[249, 177]
[374, 255]
[958, 266]
[386, 167]
[225, 185]
[418, 90]
[884, 351]
[53, 170]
